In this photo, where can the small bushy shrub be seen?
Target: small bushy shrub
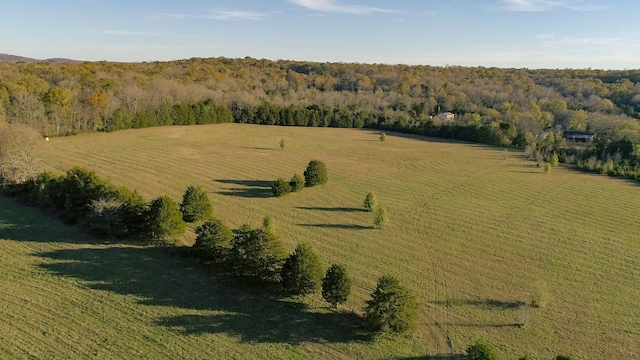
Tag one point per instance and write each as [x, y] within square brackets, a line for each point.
[296, 183]
[280, 187]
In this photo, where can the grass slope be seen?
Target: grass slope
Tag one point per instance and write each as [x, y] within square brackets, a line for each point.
[473, 231]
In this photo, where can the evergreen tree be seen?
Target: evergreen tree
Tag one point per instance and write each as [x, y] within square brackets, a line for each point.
[195, 204]
[214, 239]
[370, 202]
[280, 187]
[257, 253]
[336, 285]
[268, 224]
[165, 219]
[392, 307]
[296, 183]
[481, 350]
[315, 174]
[302, 271]
[380, 218]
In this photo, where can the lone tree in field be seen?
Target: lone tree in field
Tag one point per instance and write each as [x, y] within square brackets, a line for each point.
[302, 271]
[257, 253]
[392, 308]
[481, 350]
[282, 144]
[195, 205]
[296, 183]
[280, 187]
[380, 218]
[165, 219]
[213, 239]
[383, 137]
[336, 285]
[370, 202]
[315, 174]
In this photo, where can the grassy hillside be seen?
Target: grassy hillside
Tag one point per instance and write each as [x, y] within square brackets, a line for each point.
[475, 231]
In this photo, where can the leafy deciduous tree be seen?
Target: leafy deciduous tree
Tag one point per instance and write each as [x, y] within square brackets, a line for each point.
[20, 153]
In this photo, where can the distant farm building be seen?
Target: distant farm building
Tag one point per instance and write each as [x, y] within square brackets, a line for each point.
[578, 136]
[446, 116]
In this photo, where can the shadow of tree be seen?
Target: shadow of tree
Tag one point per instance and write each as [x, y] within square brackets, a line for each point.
[485, 303]
[240, 308]
[25, 223]
[259, 148]
[248, 189]
[339, 226]
[336, 209]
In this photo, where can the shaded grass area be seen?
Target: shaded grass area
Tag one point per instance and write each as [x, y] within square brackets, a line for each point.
[247, 188]
[242, 308]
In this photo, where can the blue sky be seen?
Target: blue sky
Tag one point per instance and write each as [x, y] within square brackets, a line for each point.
[602, 34]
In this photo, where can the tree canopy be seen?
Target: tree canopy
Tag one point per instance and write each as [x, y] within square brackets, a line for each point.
[302, 271]
[392, 308]
[336, 285]
[315, 174]
[195, 205]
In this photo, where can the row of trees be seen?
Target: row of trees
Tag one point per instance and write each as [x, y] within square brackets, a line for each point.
[81, 197]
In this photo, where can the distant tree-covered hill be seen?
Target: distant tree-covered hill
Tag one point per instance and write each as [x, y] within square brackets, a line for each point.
[60, 98]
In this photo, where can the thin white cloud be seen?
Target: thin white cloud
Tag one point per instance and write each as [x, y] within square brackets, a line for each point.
[127, 33]
[333, 6]
[236, 15]
[216, 15]
[546, 5]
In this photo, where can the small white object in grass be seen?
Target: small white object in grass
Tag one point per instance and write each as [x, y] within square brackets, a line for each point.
[46, 138]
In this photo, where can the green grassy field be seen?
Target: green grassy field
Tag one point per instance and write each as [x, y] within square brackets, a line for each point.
[473, 231]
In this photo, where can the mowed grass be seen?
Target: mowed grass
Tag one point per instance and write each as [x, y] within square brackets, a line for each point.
[473, 231]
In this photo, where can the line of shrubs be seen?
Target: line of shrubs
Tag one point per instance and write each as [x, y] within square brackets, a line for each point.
[315, 174]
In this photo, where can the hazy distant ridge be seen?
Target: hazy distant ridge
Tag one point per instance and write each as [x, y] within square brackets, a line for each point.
[16, 58]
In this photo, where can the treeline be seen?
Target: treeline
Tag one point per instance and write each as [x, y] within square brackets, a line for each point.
[60, 99]
[205, 112]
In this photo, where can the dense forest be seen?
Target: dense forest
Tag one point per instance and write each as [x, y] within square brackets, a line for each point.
[492, 105]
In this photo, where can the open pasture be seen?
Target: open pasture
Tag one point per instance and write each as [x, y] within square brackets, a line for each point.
[474, 231]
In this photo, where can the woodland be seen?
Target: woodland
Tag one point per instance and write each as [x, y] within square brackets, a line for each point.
[504, 107]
